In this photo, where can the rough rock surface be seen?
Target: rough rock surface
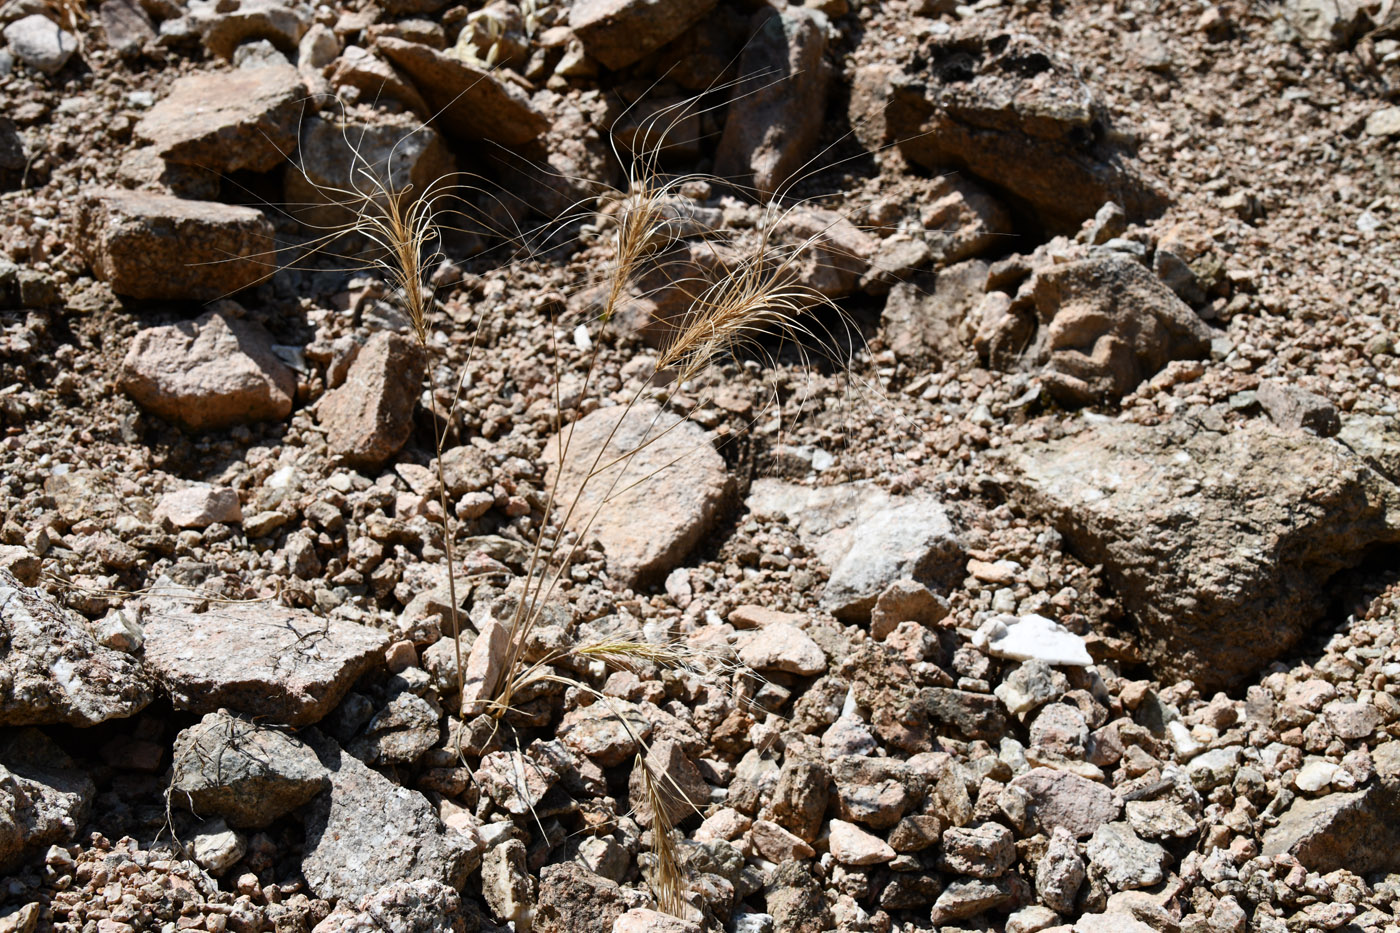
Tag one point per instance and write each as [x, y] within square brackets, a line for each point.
[369, 418]
[652, 508]
[618, 32]
[1007, 110]
[243, 119]
[868, 537]
[422, 906]
[776, 117]
[40, 43]
[52, 669]
[44, 797]
[571, 897]
[281, 665]
[215, 371]
[247, 773]
[365, 832]
[147, 245]
[925, 319]
[1220, 544]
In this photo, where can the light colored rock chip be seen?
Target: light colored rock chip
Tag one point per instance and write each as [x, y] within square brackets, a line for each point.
[199, 507]
[228, 121]
[216, 847]
[777, 844]
[851, 845]
[1032, 638]
[52, 669]
[642, 920]
[652, 508]
[223, 29]
[1123, 859]
[147, 245]
[868, 538]
[40, 43]
[210, 373]
[422, 906]
[1062, 799]
[282, 665]
[782, 647]
[619, 32]
[370, 417]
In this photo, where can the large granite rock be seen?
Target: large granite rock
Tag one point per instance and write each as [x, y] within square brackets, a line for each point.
[468, 102]
[370, 417]
[53, 671]
[1003, 108]
[366, 832]
[249, 774]
[280, 665]
[619, 32]
[209, 373]
[867, 537]
[148, 245]
[1219, 544]
[401, 907]
[650, 510]
[778, 109]
[44, 797]
[228, 121]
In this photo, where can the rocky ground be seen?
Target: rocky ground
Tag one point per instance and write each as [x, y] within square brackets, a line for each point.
[1054, 588]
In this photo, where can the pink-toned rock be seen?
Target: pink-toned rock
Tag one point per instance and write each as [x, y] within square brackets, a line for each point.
[782, 647]
[851, 845]
[484, 667]
[682, 789]
[209, 373]
[777, 844]
[148, 245]
[642, 920]
[370, 417]
[619, 32]
[199, 507]
[651, 509]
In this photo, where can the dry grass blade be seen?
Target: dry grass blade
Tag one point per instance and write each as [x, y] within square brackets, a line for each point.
[667, 880]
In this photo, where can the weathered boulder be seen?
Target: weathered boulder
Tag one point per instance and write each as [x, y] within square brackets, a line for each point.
[868, 538]
[1220, 545]
[281, 665]
[249, 774]
[779, 106]
[573, 898]
[1106, 323]
[365, 833]
[40, 43]
[619, 32]
[650, 509]
[53, 671]
[227, 121]
[335, 154]
[1005, 109]
[208, 373]
[370, 417]
[422, 906]
[149, 245]
[44, 796]
[468, 102]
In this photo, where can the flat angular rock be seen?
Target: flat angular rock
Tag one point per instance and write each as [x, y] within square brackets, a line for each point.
[281, 665]
[1358, 831]
[468, 102]
[44, 797]
[660, 502]
[53, 671]
[619, 32]
[1061, 799]
[209, 373]
[778, 108]
[228, 121]
[223, 29]
[127, 25]
[924, 320]
[366, 832]
[1005, 109]
[400, 733]
[868, 538]
[404, 907]
[375, 79]
[370, 417]
[1034, 638]
[851, 845]
[1124, 860]
[199, 506]
[40, 43]
[679, 784]
[963, 899]
[249, 774]
[149, 245]
[1219, 544]
[782, 647]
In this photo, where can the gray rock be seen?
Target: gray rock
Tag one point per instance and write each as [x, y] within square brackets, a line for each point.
[1295, 409]
[659, 503]
[147, 245]
[209, 373]
[799, 798]
[370, 417]
[1375, 439]
[1123, 860]
[216, 848]
[969, 715]
[1222, 577]
[573, 898]
[776, 115]
[53, 671]
[44, 798]
[366, 832]
[281, 665]
[619, 32]
[40, 43]
[1331, 23]
[506, 885]
[963, 899]
[984, 851]
[868, 538]
[1059, 799]
[1359, 831]
[794, 898]
[249, 774]
[400, 733]
[224, 29]
[227, 121]
[127, 25]
[422, 906]
[928, 319]
[1060, 872]
[1007, 110]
